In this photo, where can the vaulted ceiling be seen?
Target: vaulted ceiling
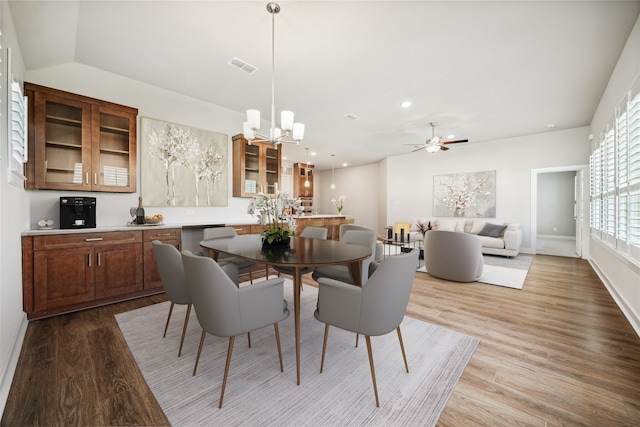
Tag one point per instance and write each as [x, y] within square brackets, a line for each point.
[481, 70]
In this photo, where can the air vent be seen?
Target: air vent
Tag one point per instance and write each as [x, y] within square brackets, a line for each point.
[352, 116]
[241, 65]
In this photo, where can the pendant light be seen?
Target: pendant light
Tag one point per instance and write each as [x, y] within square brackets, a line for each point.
[306, 182]
[289, 132]
[333, 172]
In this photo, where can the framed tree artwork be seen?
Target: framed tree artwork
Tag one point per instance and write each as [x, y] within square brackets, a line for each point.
[469, 195]
[182, 165]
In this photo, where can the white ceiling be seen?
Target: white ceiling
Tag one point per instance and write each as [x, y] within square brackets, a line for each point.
[482, 70]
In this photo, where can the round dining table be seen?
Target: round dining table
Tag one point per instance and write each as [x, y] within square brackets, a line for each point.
[301, 252]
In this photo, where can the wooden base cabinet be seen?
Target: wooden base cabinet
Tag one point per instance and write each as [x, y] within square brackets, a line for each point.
[69, 272]
[173, 237]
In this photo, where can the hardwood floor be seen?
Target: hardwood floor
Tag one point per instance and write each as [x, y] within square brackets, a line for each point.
[557, 352]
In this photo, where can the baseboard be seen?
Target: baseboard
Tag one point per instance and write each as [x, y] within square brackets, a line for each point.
[555, 237]
[9, 369]
[626, 310]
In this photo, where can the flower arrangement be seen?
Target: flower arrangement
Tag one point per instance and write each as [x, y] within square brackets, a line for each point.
[275, 212]
[423, 226]
[339, 204]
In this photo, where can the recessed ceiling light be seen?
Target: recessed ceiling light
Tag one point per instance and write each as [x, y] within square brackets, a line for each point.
[352, 116]
[551, 126]
[406, 104]
[451, 136]
[313, 153]
[344, 165]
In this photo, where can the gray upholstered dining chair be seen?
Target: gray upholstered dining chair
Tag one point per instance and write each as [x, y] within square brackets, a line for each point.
[453, 256]
[244, 266]
[225, 310]
[365, 238]
[379, 255]
[376, 308]
[309, 233]
[171, 271]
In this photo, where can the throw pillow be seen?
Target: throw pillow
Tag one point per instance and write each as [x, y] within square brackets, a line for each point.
[478, 225]
[492, 230]
[447, 225]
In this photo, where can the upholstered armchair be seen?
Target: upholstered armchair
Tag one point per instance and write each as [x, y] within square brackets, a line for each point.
[376, 308]
[451, 255]
[308, 233]
[225, 310]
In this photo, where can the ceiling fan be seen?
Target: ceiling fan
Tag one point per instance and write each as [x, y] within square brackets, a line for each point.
[436, 143]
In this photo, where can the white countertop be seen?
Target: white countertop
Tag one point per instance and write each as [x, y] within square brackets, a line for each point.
[41, 232]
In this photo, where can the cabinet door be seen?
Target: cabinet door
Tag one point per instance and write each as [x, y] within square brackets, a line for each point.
[63, 277]
[257, 167]
[114, 150]
[118, 269]
[271, 169]
[62, 143]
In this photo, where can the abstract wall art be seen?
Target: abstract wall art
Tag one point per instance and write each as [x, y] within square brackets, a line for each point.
[182, 165]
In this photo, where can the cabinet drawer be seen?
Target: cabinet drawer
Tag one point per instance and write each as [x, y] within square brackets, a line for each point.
[61, 241]
[164, 234]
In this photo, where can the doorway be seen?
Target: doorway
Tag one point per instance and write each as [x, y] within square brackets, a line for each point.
[557, 211]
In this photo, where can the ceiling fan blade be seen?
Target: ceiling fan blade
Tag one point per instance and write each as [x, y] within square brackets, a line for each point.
[417, 149]
[443, 148]
[455, 142]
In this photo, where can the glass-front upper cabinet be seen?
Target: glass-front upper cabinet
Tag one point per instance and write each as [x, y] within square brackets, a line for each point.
[257, 167]
[114, 160]
[79, 143]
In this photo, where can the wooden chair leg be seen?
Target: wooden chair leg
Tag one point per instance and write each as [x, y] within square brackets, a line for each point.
[404, 356]
[250, 277]
[275, 326]
[226, 370]
[168, 318]
[204, 334]
[373, 370]
[357, 336]
[249, 338]
[184, 328]
[324, 345]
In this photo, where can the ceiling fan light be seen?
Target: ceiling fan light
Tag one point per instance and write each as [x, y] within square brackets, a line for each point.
[435, 140]
[433, 148]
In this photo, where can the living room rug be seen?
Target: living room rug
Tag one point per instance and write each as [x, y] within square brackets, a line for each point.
[501, 271]
[257, 393]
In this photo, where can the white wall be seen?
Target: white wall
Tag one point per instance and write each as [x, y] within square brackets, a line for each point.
[555, 207]
[14, 208]
[360, 186]
[621, 277]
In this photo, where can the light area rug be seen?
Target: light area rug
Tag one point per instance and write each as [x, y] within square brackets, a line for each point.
[500, 271]
[257, 393]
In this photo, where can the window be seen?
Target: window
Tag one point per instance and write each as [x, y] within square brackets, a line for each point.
[17, 127]
[615, 180]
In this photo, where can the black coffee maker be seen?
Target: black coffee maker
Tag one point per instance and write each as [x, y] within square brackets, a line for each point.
[77, 212]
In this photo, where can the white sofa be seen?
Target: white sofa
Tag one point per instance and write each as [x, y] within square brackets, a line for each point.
[497, 237]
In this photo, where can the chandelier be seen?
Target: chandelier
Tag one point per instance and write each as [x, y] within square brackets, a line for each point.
[289, 131]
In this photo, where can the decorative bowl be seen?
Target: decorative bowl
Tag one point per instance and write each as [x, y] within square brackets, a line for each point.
[152, 220]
